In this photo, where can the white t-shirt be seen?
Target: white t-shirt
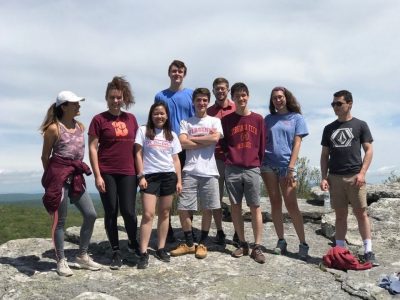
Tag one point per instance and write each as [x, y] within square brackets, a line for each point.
[157, 153]
[201, 162]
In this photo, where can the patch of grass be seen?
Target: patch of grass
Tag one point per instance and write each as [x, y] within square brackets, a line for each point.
[26, 220]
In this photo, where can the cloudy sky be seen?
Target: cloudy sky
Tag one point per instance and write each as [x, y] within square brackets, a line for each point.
[313, 48]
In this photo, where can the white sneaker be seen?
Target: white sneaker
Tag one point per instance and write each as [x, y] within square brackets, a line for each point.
[86, 262]
[63, 268]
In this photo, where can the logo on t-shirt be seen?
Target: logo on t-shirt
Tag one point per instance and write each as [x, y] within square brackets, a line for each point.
[342, 137]
[120, 128]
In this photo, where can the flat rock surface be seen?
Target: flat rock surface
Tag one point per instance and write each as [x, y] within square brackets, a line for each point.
[27, 267]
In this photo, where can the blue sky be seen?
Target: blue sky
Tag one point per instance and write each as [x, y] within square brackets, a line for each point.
[313, 48]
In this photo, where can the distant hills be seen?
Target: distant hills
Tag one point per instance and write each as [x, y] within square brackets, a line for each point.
[20, 197]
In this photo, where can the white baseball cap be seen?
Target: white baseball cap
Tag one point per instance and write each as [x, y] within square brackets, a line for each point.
[67, 96]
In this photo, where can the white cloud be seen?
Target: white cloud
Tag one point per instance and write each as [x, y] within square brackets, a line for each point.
[313, 48]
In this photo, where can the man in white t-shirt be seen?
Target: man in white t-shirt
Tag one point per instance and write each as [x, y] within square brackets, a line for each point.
[198, 135]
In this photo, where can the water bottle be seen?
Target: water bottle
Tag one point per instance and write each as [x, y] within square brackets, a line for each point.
[327, 201]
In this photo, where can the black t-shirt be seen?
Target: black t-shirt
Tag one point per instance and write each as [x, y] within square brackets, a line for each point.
[344, 140]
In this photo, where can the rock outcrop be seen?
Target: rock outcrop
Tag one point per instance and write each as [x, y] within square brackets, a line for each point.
[27, 267]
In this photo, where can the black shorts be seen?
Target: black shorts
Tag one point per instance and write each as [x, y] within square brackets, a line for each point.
[161, 184]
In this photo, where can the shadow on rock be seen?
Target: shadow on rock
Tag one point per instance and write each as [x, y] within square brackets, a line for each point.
[28, 265]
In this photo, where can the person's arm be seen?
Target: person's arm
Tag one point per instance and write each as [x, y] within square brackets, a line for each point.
[324, 168]
[177, 166]
[94, 162]
[139, 166]
[368, 153]
[293, 158]
[187, 143]
[206, 140]
[50, 136]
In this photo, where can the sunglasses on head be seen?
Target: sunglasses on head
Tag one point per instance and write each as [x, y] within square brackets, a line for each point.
[337, 103]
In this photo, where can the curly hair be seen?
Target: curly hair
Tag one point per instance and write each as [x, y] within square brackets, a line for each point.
[121, 84]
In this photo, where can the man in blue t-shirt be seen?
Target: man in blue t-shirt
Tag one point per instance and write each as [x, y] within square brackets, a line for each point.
[180, 106]
[341, 156]
[178, 98]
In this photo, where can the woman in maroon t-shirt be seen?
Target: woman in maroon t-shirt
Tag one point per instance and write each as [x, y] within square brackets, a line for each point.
[111, 149]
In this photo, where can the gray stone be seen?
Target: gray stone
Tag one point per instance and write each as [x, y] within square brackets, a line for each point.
[27, 266]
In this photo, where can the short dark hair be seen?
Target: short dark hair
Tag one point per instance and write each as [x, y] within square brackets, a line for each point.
[179, 64]
[220, 80]
[348, 97]
[239, 86]
[201, 91]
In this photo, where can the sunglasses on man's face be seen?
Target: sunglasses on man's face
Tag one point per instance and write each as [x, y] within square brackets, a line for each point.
[337, 103]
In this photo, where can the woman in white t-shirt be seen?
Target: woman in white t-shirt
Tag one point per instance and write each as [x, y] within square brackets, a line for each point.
[159, 175]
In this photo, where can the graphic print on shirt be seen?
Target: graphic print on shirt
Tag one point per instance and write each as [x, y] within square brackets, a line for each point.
[244, 130]
[200, 131]
[120, 128]
[160, 145]
[342, 137]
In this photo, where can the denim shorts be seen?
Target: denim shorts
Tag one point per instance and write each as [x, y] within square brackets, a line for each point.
[278, 171]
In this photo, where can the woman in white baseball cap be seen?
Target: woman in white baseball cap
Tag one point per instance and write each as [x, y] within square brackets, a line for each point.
[62, 155]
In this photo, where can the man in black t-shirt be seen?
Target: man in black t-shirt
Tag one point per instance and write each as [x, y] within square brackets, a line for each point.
[342, 141]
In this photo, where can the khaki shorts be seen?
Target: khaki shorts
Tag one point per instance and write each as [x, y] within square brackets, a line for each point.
[343, 192]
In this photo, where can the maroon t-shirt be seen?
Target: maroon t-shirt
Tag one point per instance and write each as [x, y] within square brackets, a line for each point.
[116, 136]
[220, 112]
[244, 139]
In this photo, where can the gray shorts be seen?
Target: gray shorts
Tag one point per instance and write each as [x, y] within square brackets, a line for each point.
[243, 182]
[205, 189]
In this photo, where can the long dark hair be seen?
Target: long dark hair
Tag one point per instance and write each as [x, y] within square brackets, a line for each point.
[151, 129]
[291, 102]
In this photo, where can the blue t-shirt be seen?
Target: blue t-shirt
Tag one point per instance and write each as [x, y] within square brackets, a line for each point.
[281, 131]
[180, 106]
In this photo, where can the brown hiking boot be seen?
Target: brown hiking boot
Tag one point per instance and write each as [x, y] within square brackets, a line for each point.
[258, 255]
[241, 251]
[183, 249]
[201, 251]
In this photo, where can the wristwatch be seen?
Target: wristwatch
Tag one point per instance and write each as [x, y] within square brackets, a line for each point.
[140, 176]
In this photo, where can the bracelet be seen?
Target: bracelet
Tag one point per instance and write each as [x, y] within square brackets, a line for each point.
[290, 169]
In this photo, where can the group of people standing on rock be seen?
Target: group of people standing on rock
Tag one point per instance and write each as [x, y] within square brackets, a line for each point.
[193, 150]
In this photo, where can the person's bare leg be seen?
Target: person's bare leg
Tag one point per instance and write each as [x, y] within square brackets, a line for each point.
[164, 207]
[146, 225]
[272, 184]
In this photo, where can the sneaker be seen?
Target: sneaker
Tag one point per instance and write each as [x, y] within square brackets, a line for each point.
[258, 255]
[370, 256]
[134, 248]
[241, 251]
[116, 260]
[281, 247]
[162, 255]
[303, 251]
[86, 262]
[183, 249]
[143, 261]
[63, 268]
[220, 238]
[201, 251]
[235, 240]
